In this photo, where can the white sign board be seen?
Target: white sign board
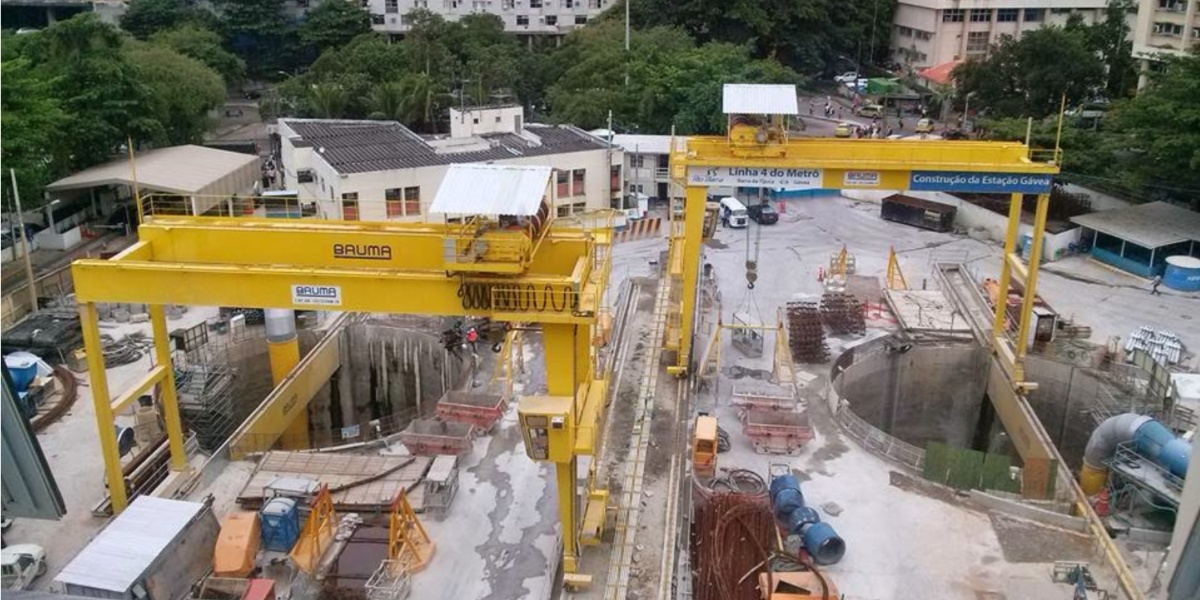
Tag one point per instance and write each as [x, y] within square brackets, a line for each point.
[317, 295]
[771, 177]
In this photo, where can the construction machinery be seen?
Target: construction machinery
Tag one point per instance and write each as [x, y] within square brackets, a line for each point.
[501, 257]
[704, 447]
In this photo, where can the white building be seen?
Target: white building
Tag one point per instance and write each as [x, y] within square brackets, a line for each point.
[381, 170]
[647, 162]
[532, 17]
[927, 33]
[1164, 27]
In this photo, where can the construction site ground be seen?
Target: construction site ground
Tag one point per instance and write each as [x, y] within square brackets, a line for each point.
[904, 536]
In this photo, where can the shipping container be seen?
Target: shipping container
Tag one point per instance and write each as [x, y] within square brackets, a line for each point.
[925, 214]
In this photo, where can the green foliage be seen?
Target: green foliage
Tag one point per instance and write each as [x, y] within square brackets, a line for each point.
[204, 46]
[328, 100]
[672, 82]
[144, 18]
[182, 91]
[811, 36]
[263, 36]
[1028, 77]
[34, 126]
[334, 24]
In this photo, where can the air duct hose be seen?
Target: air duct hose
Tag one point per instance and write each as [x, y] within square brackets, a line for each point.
[1150, 438]
[820, 540]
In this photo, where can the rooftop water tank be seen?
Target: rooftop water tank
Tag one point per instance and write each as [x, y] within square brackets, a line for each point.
[1183, 273]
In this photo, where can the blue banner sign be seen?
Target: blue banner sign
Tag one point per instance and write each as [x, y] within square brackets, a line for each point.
[961, 181]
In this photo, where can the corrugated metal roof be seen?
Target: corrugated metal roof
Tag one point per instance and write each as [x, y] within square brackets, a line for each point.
[644, 144]
[1151, 225]
[367, 146]
[118, 557]
[180, 169]
[474, 189]
[760, 99]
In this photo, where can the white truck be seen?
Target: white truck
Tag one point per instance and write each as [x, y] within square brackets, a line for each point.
[21, 564]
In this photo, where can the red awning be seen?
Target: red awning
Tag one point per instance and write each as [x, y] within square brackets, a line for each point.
[939, 74]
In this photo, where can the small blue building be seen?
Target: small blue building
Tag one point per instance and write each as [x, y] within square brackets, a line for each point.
[1139, 239]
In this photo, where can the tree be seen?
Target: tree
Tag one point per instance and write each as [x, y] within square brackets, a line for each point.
[182, 91]
[329, 100]
[1110, 39]
[1028, 77]
[421, 94]
[1161, 127]
[387, 101]
[263, 36]
[96, 86]
[34, 126]
[204, 46]
[333, 24]
[144, 18]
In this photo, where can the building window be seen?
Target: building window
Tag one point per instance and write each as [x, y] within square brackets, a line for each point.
[568, 3]
[304, 176]
[1035, 15]
[391, 6]
[977, 43]
[551, 20]
[522, 21]
[1172, 5]
[506, 4]
[562, 181]
[350, 206]
[393, 198]
[595, 4]
[981, 15]
[412, 201]
[904, 31]
[637, 161]
[1061, 11]
[1007, 15]
[577, 177]
[1168, 29]
[923, 35]
[581, 19]
[535, 3]
[953, 15]
[377, 19]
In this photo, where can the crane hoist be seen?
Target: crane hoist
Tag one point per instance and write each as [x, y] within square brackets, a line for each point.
[508, 261]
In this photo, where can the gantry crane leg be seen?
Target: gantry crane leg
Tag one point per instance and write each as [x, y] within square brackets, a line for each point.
[567, 350]
[161, 374]
[693, 214]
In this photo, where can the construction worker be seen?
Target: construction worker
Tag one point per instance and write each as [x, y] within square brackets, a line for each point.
[472, 338]
[1154, 283]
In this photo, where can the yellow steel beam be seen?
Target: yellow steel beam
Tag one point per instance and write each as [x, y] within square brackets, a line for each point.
[363, 290]
[695, 199]
[1035, 258]
[166, 391]
[290, 398]
[142, 386]
[818, 153]
[98, 383]
[1025, 430]
[1017, 271]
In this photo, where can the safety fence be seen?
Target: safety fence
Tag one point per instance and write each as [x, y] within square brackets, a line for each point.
[878, 442]
[15, 304]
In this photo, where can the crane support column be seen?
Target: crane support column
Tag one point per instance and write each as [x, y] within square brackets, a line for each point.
[283, 348]
[166, 387]
[693, 223]
[567, 350]
[98, 382]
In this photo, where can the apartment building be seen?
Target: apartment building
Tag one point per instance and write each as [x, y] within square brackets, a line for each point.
[522, 17]
[1164, 27]
[927, 33]
[382, 171]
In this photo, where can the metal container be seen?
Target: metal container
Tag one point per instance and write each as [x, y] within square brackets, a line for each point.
[1183, 273]
[917, 212]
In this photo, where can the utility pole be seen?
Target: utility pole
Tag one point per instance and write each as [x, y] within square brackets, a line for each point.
[24, 244]
[627, 42]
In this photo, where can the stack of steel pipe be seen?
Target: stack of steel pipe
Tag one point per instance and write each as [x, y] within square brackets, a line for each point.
[807, 337]
[732, 540]
[843, 314]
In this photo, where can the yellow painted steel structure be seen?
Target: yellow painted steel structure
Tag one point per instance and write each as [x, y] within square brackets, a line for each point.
[823, 163]
[895, 277]
[557, 282]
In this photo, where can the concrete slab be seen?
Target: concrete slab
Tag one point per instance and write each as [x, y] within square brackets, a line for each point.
[926, 310]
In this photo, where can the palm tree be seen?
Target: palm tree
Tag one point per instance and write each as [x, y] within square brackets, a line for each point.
[388, 101]
[329, 100]
[420, 99]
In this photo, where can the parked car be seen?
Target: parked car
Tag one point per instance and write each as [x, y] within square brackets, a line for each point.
[763, 214]
[924, 126]
[869, 110]
[847, 77]
[843, 130]
[20, 564]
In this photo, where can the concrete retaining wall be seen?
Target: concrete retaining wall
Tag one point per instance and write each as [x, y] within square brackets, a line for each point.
[1025, 511]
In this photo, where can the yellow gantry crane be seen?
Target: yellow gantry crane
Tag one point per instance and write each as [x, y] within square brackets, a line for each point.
[505, 258]
[757, 152]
